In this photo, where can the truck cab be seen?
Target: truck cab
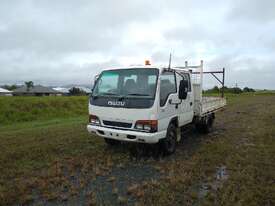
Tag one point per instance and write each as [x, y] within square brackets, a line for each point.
[143, 104]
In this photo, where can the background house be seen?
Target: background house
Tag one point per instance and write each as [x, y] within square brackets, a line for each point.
[62, 90]
[36, 90]
[5, 92]
[86, 90]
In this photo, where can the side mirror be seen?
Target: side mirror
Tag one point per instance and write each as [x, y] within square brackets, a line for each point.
[183, 89]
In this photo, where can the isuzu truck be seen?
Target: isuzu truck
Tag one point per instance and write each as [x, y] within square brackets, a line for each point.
[150, 104]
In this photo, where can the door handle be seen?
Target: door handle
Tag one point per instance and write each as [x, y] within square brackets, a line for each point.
[191, 103]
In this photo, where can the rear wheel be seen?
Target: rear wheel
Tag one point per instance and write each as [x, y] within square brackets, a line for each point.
[170, 142]
[206, 124]
[111, 142]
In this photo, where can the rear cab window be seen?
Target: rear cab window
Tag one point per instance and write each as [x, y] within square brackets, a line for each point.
[186, 76]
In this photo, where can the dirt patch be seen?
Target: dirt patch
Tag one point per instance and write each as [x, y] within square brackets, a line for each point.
[122, 185]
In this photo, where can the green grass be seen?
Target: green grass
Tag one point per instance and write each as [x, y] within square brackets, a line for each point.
[35, 149]
[25, 109]
[30, 154]
[228, 94]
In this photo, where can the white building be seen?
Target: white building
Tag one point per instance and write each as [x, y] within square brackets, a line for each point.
[66, 91]
[84, 89]
[5, 92]
[62, 90]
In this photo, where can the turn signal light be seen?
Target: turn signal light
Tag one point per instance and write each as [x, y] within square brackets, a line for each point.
[147, 125]
[94, 119]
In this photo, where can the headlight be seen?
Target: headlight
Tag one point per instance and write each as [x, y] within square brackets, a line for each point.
[94, 119]
[139, 126]
[147, 125]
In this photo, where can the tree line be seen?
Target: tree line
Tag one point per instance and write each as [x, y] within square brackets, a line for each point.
[74, 91]
[234, 90]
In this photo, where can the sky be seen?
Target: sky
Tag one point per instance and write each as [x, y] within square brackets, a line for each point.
[68, 42]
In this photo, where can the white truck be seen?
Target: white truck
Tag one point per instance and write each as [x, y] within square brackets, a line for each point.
[148, 104]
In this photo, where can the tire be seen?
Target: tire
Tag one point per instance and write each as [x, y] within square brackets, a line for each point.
[206, 124]
[111, 142]
[210, 122]
[170, 142]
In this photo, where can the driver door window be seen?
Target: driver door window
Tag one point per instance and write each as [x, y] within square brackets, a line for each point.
[167, 86]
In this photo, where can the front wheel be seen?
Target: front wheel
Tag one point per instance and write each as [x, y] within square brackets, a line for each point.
[111, 142]
[170, 141]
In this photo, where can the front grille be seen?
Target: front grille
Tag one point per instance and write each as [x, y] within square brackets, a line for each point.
[117, 124]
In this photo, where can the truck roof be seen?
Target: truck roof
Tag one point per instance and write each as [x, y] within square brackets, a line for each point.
[161, 68]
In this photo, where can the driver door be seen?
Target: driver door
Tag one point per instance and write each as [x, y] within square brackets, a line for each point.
[168, 93]
[186, 106]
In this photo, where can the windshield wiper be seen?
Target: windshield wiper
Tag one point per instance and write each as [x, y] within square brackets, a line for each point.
[138, 94]
[108, 93]
[103, 94]
[120, 97]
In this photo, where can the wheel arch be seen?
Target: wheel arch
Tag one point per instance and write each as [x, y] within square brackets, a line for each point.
[175, 121]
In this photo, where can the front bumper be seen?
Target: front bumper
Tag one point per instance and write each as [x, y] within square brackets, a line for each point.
[126, 135]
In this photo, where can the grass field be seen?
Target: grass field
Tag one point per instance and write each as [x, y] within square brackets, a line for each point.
[25, 109]
[47, 158]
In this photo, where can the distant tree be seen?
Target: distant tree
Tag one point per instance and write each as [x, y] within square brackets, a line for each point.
[237, 90]
[76, 91]
[234, 90]
[10, 87]
[29, 84]
[216, 89]
[247, 89]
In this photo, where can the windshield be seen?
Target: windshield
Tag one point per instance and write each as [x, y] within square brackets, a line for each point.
[136, 83]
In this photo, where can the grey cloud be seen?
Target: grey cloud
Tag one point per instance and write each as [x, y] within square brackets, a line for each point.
[50, 74]
[68, 26]
[245, 71]
[69, 41]
[254, 11]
